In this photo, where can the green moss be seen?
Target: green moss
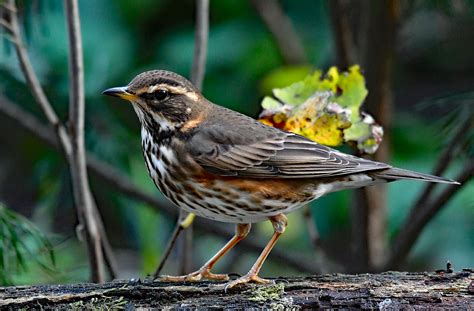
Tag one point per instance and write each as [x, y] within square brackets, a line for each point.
[100, 304]
[265, 293]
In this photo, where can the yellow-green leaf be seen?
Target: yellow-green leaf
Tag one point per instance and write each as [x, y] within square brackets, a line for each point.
[326, 109]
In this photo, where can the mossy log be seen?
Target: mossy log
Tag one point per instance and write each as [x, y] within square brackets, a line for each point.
[386, 291]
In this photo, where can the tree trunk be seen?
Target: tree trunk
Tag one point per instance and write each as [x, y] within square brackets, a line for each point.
[391, 290]
[377, 41]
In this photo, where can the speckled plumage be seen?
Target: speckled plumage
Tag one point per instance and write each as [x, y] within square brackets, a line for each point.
[229, 152]
[225, 166]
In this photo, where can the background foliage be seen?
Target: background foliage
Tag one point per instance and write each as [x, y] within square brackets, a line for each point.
[433, 85]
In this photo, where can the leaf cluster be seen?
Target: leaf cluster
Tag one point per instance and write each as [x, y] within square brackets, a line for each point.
[325, 108]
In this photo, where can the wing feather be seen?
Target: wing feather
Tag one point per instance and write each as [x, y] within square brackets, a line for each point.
[266, 152]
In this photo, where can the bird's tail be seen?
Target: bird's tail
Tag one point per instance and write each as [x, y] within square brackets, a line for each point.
[392, 174]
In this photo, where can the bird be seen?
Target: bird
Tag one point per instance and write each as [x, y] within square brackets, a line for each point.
[225, 166]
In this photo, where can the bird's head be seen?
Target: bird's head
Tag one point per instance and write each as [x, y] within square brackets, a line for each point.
[161, 98]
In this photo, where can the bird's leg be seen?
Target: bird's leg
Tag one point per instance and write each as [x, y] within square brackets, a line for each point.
[279, 223]
[241, 231]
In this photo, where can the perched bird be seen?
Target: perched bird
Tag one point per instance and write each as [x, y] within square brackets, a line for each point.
[225, 166]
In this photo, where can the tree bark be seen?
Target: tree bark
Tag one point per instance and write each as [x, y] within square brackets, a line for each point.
[386, 291]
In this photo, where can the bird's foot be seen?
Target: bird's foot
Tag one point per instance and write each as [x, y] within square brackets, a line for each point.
[195, 276]
[249, 277]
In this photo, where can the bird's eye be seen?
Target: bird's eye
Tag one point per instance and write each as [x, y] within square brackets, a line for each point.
[161, 94]
[156, 96]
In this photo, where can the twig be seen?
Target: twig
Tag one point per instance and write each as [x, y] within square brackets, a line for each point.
[169, 246]
[118, 181]
[280, 26]
[416, 222]
[200, 46]
[9, 7]
[407, 236]
[184, 221]
[29, 122]
[82, 195]
[107, 250]
[443, 162]
[6, 25]
[59, 130]
[100, 169]
[185, 243]
[33, 82]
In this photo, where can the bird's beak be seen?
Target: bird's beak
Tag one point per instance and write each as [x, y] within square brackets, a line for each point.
[120, 92]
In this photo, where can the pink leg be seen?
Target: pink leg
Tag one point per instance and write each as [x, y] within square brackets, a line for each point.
[279, 223]
[241, 231]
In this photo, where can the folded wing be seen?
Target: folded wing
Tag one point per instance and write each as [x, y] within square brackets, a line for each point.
[257, 151]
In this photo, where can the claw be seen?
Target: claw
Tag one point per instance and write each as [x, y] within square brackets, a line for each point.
[249, 277]
[195, 276]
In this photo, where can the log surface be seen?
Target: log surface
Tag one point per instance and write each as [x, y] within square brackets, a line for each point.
[385, 291]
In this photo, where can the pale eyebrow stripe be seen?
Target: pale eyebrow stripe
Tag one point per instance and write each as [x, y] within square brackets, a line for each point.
[178, 90]
[153, 88]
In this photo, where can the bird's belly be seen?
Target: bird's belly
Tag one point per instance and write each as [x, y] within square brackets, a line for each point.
[224, 200]
[238, 200]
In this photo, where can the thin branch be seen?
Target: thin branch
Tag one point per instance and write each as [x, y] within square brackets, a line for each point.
[33, 82]
[6, 25]
[121, 183]
[415, 224]
[29, 122]
[200, 46]
[184, 221]
[9, 7]
[408, 236]
[443, 162]
[107, 250]
[80, 183]
[38, 93]
[281, 27]
[169, 246]
[186, 264]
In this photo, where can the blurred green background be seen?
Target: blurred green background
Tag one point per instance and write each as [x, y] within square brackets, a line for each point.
[433, 78]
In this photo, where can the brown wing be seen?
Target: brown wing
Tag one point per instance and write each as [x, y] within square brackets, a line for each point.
[245, 147]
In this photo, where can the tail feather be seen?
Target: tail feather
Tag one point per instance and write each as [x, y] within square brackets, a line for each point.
[398, 173]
